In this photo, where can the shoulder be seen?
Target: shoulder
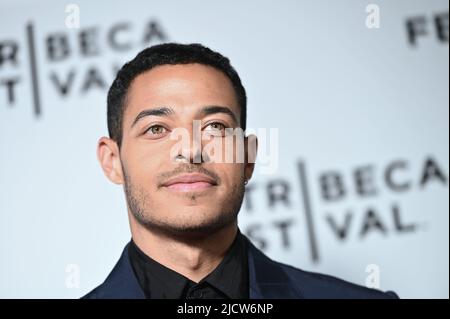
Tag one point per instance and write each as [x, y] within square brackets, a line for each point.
[94, 294]
[306, 284]
[317, 285]
[121, 283]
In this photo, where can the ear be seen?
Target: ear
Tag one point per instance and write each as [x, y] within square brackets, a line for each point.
[108, 155]
[251, 149]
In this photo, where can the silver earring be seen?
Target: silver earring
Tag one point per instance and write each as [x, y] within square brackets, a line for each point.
[180, 157]
[245, 182]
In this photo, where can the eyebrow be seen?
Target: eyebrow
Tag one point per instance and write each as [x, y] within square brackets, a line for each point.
[160, 111]
[167, 111]
[213, 109]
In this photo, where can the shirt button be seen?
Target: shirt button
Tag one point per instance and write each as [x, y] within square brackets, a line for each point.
[198, 294]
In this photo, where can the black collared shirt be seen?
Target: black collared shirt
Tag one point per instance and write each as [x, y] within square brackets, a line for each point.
[228, 280]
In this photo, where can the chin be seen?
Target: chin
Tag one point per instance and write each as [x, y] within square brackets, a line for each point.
[194, 217]
[201, 223]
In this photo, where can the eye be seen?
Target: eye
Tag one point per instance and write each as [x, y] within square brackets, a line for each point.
[156, 130]
[215, 128]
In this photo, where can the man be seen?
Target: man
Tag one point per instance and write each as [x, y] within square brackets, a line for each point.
[183, 202]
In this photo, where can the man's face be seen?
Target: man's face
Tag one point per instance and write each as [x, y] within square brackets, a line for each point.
[169, 192]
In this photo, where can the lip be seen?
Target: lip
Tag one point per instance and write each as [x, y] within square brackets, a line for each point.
[190, 182]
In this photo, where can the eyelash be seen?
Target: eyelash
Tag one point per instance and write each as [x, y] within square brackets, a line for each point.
[219, 123]
[155, 125]
[212, 132]
[159, 125]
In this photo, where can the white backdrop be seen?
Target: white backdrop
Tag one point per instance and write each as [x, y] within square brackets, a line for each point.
[351, 102]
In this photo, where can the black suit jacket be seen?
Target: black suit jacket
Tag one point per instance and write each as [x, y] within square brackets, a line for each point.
[267, 279]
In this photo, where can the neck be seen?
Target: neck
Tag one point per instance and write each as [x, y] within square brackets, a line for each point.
[194, 258]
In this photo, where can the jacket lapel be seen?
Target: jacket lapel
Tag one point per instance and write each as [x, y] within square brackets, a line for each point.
[121, 282]
[267, 279]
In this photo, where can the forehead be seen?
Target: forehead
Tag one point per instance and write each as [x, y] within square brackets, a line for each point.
[185, 88]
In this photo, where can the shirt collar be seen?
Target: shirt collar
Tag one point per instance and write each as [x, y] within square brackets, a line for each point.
[230, 277]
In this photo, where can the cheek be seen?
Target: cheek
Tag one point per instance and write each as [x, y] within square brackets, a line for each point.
[143, 165]
[225, 150]
[231, 174]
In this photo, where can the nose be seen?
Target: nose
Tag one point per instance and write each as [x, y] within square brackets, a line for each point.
[192, 155]
[189, 150]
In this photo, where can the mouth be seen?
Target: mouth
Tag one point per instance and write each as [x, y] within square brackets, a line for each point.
[193, 182]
